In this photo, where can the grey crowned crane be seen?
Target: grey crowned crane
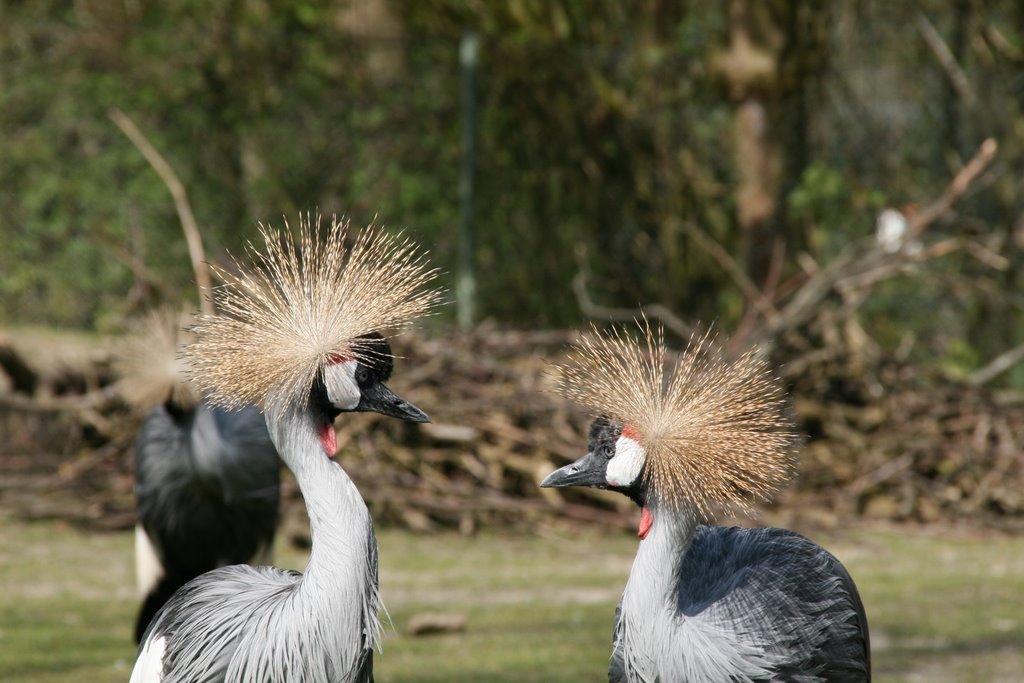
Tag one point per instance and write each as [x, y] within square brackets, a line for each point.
[207, 480]
[707, 603]
[297, 338]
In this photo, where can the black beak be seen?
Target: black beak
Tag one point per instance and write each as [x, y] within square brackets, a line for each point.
[587, 471]
[379, 399]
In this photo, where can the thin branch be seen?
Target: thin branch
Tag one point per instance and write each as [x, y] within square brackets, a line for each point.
[985, 255]
[139, 269]
[79, 403]
[863, 263]
[589, 308]
[733, 269]
[1002, 363]
[1002, 44]
[961, 181]
[893, 265]
[188, 222]
[946, 58]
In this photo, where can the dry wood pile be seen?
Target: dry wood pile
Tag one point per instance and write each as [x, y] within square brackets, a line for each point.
[883, 441]
[887, 443]
[496, 432]
[65, 434]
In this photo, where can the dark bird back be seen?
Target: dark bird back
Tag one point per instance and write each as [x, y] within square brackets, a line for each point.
[207, 484]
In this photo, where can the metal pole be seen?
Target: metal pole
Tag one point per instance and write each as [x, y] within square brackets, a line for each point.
[465, 283]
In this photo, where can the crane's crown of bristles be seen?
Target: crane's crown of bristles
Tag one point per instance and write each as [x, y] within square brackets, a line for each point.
[715, 431]
[299, 305]
[151, 366]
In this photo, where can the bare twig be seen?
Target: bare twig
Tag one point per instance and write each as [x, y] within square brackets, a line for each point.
[181, 204]
[946, 59]
[987, 256]
[589, 308]
[874, 272]
[1000, 364]
[886, 471]
[733, 269]
[139, 269]
[961, 181]
[863, 263]
[79, 403]
[1002, 44]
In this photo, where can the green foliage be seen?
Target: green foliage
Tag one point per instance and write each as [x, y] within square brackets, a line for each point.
[959, 359]
[603, 128]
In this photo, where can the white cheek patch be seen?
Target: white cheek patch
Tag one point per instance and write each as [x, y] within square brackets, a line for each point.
[340, 381]
[625, 465]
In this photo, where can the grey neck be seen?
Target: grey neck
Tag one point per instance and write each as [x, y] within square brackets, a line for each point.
[660, 556]
[338, 591]
[655, 638]
[642, 633]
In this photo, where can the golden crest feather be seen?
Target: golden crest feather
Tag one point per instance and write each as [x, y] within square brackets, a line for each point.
[297, 306]
[151, 366]
[715, 431]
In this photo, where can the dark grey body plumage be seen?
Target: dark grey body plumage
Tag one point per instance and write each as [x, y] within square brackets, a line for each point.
[208, 489]
[775, 582]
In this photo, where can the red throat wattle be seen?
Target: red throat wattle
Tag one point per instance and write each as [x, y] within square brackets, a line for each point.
[646, 520]
[329, 440]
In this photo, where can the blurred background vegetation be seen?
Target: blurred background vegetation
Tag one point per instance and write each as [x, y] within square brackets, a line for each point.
[607, 133]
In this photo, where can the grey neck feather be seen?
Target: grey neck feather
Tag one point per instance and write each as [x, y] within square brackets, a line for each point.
[655, 639]
[337, 596]
[641, 633]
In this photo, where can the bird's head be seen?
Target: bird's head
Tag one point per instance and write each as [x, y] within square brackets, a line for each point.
[615, 460]
[347, 384]
[151, 367]
[298, 331]
[688, 432]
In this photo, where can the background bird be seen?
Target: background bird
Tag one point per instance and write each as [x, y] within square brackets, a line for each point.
[707, 603]
[207, 480]
[298, 339]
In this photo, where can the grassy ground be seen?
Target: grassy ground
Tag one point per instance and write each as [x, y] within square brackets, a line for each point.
[942, 606]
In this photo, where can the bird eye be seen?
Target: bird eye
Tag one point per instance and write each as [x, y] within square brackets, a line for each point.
[362, 375]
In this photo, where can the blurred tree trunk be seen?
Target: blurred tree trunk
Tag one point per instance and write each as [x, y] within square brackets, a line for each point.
[225, 112]
[953, 139]
[772, 68]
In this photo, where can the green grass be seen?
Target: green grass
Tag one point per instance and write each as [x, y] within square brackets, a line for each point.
[533, 606]
[66, 605]
[943, 607]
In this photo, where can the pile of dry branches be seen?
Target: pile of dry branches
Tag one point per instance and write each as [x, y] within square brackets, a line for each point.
[895, 445]
[920, 450]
